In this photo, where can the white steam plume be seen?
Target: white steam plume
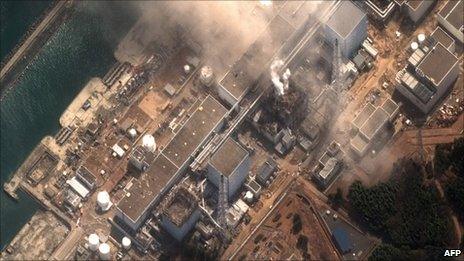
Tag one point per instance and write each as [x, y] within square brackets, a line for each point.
[280, 86]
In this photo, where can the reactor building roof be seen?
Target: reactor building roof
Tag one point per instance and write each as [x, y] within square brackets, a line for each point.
[359, 144]
[375, 122]
[363, 116]
[452, 14]
[166, 166]
[373, 119]
[442, 37]
[145, 189]
[253, 62]
[345, 19]
[202, 122]
[441, 56]
[390, 107]
[228, 157]
[180, 206]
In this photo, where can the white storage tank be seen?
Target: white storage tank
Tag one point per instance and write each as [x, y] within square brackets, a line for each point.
[104, 251]
[187, 69]
[249, 196]
[126, 243]
[103, 200]
[132, 133]
[148, 143]
[414, 46]
[94, 242]
[421, 38]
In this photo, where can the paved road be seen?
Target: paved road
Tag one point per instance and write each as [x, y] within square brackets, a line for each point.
[30, 40]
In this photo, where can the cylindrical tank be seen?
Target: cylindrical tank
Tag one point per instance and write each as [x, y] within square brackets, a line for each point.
[249, 196]
[104, 251]
[132, 133]
[126, 243]
[414, 46]
[148, 142]
[421, 38]
[187, 69]
[206, 76]
[94, 242]
[103, 200]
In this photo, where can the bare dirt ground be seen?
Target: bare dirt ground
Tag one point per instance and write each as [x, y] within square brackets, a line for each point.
[38, 238]
[276, 239]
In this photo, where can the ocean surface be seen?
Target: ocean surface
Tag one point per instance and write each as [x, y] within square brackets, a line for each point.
[81, 48]
[16, 17]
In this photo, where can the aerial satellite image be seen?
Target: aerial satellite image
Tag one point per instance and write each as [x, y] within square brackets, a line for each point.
[232, 130]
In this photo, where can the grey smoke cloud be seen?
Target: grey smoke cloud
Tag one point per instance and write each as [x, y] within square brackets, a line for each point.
[224, 29]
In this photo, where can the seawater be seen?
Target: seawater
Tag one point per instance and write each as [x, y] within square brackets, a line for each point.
[80, 49]
[16, 17]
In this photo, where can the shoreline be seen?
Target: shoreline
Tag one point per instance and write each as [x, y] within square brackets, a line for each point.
[30, 46]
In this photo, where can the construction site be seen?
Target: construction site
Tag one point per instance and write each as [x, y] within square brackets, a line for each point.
[236, 153]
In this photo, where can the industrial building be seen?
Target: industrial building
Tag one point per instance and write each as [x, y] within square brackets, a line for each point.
[180, 213]
[441, 36]
[86, 177]
[329, 165]
[229, 164]
[254, 187]
[450, 18]
[266, 171]
[309, 134]
[369, 123]
[236, 212]
[244, 73]
[329, 171]
[347, 27]
[423, 83]
[379, 11]
[416, 9]
[141, 158]
[167, 168]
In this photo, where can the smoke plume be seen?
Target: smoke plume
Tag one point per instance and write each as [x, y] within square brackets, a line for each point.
[281, 86]
[223, 29]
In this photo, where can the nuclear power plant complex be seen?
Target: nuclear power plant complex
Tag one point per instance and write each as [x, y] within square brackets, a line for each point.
[191, 149]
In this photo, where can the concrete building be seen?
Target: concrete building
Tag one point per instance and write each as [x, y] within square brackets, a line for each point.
[379, 11]
[265, 172]
[168, 166]
[231, 161]
[78, 187]
[141, 159]
[425, 83]
[348, 27]
[328, 172]
[450, 17]
[369, 124]
[254, 187]
[180, 213]
[440, 36]
[86, 177]
[235, 213]
[417, 9]
[246, 71]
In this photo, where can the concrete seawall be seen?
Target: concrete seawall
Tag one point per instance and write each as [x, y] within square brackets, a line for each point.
[32, 44]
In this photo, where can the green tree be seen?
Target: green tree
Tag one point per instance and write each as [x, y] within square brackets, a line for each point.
[388, 252]
[455, 194]
[375, 205]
